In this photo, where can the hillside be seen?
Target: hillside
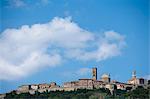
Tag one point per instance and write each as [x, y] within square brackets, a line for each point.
[139, 93]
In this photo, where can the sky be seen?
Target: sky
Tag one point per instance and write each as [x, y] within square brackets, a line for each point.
[43, 41]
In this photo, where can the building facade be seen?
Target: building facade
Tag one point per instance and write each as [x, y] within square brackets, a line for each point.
[86, 83]
[137, 81]
[94, 73]
[105, 78]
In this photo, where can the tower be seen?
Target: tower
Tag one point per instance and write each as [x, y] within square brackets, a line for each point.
[94, 73]
[105, 78]
[134, 74]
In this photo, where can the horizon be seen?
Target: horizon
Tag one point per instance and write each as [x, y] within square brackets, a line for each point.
[59, 41]
[98, 79]
[61, 85]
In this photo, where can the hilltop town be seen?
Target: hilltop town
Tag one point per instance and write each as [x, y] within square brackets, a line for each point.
[86, 83]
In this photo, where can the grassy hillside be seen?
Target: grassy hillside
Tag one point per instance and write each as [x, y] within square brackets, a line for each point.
[140, 93]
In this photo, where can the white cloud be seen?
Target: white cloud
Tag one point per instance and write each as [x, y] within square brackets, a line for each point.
[25, 50]
[45, 2]
[77, 73]
[16, 3]
[147, 77]
[107, 46]
[25, 3]
[83, 71]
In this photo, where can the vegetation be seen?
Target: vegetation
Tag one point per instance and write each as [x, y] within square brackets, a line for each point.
[139, 93]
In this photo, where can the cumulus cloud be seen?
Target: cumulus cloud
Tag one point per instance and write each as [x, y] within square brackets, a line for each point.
[45, 2]
[83, 71]
[25, 3]
[109, 45]
[27, 49]
[147, 77]
[76, 73]
[16, 3]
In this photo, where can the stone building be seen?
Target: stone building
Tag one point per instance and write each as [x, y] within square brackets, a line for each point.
[98, 84]
[120, 85]
[44, 86]
[68, 84]
[105, 78]
[56, 89]
[80, 84]
[137, 81]
[111, 87]
[2, 96]
[69, 89]
[53, 84]
[94, 73]
[85, 83]
[23, 89]
[34, 87]
[73, 84]
[133, 80]
[37, 87]
[89, 83]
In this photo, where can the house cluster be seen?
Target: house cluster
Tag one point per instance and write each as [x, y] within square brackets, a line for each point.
[37, 87]
[104, 82]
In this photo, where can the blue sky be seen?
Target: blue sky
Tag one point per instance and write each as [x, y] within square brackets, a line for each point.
[126, 19]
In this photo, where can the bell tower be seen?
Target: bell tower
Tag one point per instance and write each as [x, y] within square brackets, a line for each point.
[134, 74]
[94, 73]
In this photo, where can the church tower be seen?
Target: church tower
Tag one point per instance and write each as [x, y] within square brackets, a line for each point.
[134, 74]
[94, 73]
